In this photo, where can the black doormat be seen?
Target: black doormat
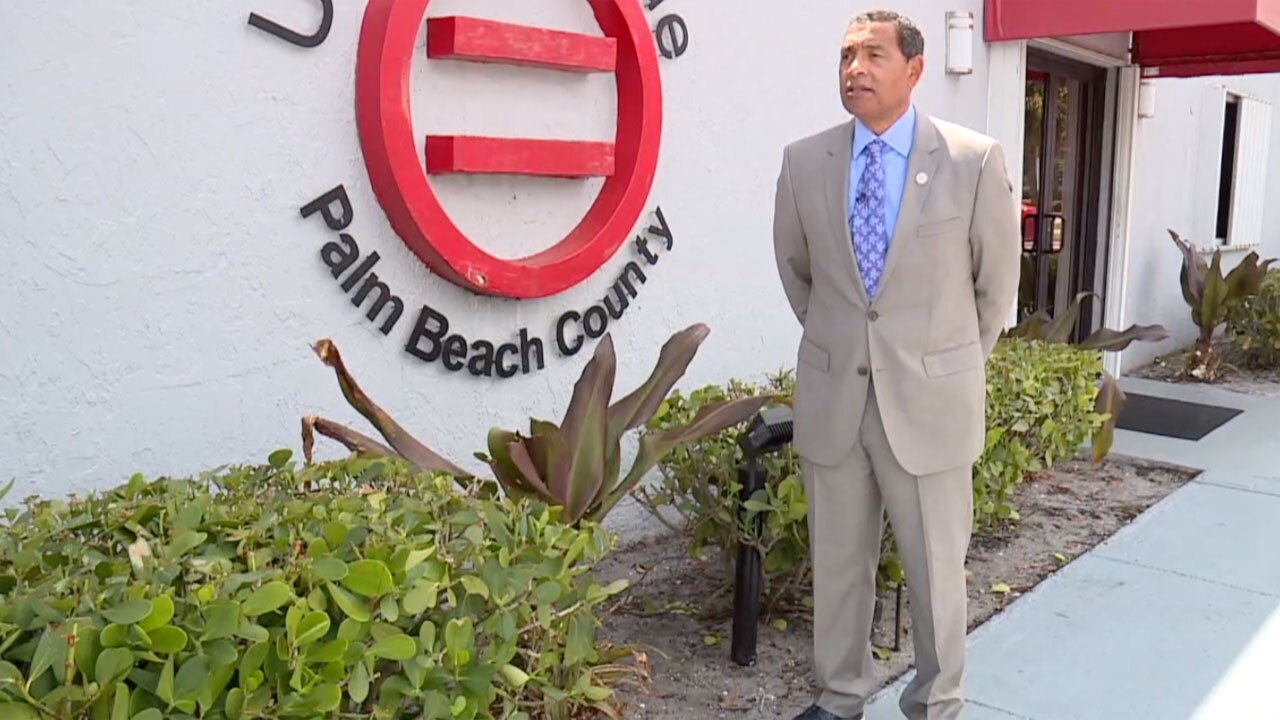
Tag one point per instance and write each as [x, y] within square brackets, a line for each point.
[1172, 418]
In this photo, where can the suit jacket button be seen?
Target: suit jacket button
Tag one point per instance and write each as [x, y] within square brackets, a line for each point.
[873, 316]
[863, 371]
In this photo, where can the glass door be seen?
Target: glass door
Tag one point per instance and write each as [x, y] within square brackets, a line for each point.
[1061, 185]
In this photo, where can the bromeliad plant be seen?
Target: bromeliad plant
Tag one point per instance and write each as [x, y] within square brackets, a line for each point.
[1111, 399]
[576, 464]
[1212, 298]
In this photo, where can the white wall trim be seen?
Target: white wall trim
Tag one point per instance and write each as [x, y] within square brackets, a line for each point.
[1074, 52]
[1121, 208]
[1006, 116]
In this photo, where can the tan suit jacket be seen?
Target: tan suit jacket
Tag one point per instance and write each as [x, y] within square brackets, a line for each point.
[948, 287]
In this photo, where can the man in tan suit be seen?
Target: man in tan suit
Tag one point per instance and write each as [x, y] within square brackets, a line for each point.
[897, 243]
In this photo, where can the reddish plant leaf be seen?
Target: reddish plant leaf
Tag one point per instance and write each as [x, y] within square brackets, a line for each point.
[351, 439]
[635, 409]
[405, 444]
[1111, 400]
[709, 420]
[1109, 340]
[580, 476]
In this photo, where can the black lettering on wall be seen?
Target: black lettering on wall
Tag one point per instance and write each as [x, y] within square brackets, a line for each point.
[324, 204]
[672, 35]
[294, 37]
[642, 246]
[481, 364]
[565, 348]
[432, 326]
[505, 370]
[595, 316]
[382, 299]
[662, 229]
[338, 257]
[360, 271]
[455, 351]
[528, 348]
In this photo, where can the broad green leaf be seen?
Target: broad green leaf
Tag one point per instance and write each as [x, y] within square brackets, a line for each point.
[87, 647]
[270, 597]
[325, 697]
[114, 635]
[191, 677]
[185, 542]
[312, 627]
[358, 685]
[168, 639]
[149, 714]
[370, 578]
[514, 676]
[279, 458]
[128, 612]
[222, 620]
[329, 569]
[164, 687]
[581, 641]
[427, 636]
[353, 607]
[395, 647]
[389, 608]
[234, 705]
[112, 666]
[18, 711]
[221, 652]
[420, 597]
[46, 654]
[475, 586]
[120, 703]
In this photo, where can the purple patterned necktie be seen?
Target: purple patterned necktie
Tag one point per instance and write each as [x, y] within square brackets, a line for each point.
[870, 235]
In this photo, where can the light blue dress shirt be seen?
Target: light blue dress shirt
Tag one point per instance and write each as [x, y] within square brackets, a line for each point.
[899, 138]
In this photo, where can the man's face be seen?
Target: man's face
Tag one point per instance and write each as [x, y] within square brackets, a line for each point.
[876, 79]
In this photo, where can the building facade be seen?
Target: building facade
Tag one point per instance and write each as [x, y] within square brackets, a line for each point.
[192, 195]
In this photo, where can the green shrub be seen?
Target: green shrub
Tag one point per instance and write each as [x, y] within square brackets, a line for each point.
[1040, 408]
[1254, 324]
[353, 589]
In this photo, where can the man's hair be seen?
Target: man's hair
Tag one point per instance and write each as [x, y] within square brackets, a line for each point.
[910, 39]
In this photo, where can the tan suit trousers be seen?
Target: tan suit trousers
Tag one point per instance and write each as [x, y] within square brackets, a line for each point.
[931, 517]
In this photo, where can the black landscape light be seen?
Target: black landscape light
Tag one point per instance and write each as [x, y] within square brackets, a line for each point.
[769, 431]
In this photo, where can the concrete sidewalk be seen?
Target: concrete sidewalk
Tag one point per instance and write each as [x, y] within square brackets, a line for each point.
[1175, 617]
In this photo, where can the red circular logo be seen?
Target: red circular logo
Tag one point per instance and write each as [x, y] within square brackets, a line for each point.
[399, 176]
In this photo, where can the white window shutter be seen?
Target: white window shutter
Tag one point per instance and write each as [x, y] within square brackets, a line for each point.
[1253, 153]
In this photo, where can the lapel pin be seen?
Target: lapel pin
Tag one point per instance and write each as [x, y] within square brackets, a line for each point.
[922, 178]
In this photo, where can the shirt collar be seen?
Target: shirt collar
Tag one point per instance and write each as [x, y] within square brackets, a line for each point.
[900, 136]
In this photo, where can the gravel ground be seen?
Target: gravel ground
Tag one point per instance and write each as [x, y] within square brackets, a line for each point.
[1066, 511]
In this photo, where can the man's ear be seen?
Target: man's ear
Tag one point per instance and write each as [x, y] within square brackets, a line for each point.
[915, 68]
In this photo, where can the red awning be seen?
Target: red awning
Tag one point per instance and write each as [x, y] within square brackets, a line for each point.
[1171, 38]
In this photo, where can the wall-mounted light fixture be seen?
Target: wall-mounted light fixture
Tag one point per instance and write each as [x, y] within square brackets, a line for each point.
[1146, 99]
[959, 43]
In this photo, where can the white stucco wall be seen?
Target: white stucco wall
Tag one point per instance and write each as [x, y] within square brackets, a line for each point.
[1175, 185]
[160, 289]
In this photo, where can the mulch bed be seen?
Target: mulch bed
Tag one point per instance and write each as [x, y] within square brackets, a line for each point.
[678, 608]
[1237, 376]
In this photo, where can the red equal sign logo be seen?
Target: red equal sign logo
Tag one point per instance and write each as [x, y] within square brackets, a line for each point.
[399, 177]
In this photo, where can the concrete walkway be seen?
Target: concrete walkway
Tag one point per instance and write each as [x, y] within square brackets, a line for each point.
[1175, 617]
